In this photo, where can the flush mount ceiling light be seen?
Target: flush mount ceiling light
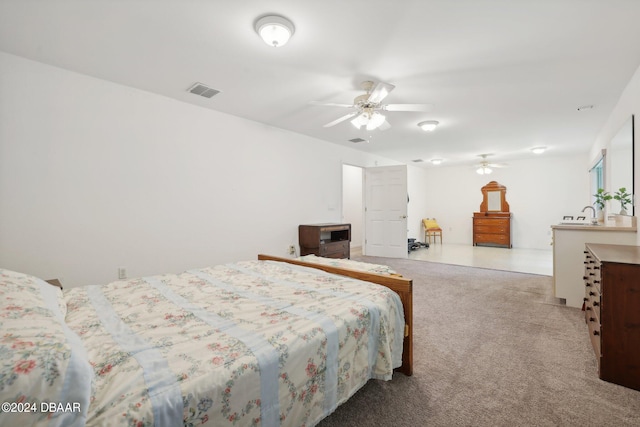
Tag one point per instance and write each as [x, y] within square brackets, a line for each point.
[275, 30]
[436, 161]
[539, 150]
[428, 125]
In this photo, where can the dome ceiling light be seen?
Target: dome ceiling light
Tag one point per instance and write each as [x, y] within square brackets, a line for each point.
[539, 150]
[428, 125]
[275, 30]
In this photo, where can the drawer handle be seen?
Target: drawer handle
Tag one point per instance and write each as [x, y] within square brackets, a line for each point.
[596, 281]
[592, 294]
[595, 267]
[588, 308]
[588, 285]
[596, 333]
[596, 303]
[592, 319]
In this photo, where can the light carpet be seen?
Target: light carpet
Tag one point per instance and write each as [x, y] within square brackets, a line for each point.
[490, 349]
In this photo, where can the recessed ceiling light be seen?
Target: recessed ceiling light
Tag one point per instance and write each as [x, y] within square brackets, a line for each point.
[428, 125]
[539, 150]
[436, 161]
[585, 107]
[275, 30]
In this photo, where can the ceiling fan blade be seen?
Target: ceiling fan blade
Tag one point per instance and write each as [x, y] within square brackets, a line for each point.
[340, 120]
[384, 126]
[408, 107]
[330, 104]
[379, 92]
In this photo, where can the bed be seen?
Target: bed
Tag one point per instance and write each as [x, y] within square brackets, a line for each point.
[345, 263]
[267, 342]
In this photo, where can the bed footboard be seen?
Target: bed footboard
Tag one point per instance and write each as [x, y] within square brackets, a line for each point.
[402, 286]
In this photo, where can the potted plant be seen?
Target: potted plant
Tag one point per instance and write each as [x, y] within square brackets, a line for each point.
[624, 198]
[601, 198]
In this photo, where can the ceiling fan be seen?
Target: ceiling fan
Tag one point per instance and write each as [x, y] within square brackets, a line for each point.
[369, 107]
[484, 167]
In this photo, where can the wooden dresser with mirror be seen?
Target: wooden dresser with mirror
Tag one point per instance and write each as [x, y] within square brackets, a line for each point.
[492, 225]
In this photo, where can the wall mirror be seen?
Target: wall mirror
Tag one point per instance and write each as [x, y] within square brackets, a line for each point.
[494, 198]
[620, 164]
[596, 175]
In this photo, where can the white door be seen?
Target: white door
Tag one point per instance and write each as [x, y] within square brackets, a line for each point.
[386, 211]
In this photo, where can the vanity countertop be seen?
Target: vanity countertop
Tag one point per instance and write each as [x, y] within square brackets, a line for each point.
[599, 227]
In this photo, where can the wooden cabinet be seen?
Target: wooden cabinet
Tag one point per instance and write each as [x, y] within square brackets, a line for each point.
[492, 225]
[492, 228]
[325, 240]
[612, 310]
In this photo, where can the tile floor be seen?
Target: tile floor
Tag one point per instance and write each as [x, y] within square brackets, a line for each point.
[534, 261]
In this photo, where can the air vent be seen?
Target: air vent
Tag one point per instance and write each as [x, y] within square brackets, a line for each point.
[418, 161]
[356, 140]
[203, 90]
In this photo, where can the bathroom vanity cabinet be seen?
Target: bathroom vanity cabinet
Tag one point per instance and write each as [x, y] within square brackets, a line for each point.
[568, 257]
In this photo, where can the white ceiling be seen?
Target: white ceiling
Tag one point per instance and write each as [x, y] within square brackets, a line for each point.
[503, 75]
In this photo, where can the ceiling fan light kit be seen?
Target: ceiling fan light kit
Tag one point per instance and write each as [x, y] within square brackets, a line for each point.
[275, 30]
[370, 120]
[485, 168]
[428, 125]
[368, 107]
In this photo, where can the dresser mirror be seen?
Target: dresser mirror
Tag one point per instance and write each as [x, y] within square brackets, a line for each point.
[620, 163]
[494, 198]
[494, 201]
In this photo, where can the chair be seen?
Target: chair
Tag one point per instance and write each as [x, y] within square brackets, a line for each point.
[431, 229]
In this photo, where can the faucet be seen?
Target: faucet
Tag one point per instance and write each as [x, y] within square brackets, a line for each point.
[593, 217]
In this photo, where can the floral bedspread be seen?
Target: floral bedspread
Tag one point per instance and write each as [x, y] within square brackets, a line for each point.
[45, 376]
[255, 343]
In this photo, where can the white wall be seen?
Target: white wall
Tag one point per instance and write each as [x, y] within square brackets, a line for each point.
[95, 175]
[540, 191]
[628, 104]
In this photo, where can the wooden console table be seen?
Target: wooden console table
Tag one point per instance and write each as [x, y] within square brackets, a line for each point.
[325, 240]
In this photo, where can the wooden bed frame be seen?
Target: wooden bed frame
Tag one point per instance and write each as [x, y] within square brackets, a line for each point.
[401, 285]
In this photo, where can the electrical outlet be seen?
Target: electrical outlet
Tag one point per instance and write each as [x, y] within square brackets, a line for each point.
[122, 273]
[292, 250]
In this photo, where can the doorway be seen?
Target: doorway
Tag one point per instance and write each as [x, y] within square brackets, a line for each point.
[379, 229]
[353, 205]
